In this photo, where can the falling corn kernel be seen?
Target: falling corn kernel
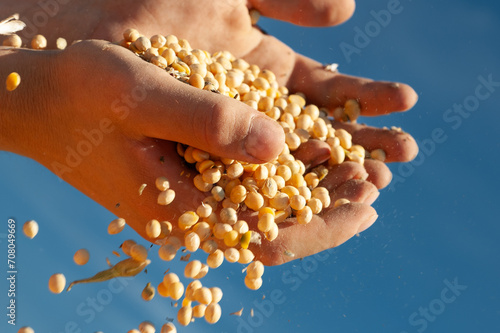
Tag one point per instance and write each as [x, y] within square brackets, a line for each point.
[213, 313]
[116, 226]
[168, 328]
[25, 329]
[255, 270]
[146, 327]
[138, 252]
[81, 257]
[153, 229]
[184, 315]
[13, 81]
[57, 282]
[30, 228]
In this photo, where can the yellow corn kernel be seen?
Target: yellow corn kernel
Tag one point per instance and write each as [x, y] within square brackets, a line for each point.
[340, 202]
[266, 222]
[146, 327]
[304, 215]
[167, 252]
[13, 41]
[231, 238]
[38, 42]
[81, 257]
[378, 154]
[153, 229]
[187, 220]
[168, 328]
[191, 288]
[138, 252]
[213, 313]
[232, 255]
[116, 226]
[192, 241]
[131, 35]
[162, 289]
[13, 81]
[192, 269]
[57, 282]
[30, 229]
[175, 290]
[254, 201]
[246, 256]
[184, 315]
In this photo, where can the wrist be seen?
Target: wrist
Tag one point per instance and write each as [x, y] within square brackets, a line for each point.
[24, 110]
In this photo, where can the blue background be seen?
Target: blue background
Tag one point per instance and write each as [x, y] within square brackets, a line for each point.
[438, 221]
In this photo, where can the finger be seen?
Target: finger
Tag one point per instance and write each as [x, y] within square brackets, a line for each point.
[333, 228]
[312, 153]
[397, 145]
[341, 173]
[172, 110]
[356, 190]
[325, 88]
[378, 173]
[312, 13]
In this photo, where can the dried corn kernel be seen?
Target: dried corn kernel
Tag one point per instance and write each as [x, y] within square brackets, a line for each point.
[57, 282]
[116, 226]
[213, 313]
[13, 81]
[30, 229]
[81, 257]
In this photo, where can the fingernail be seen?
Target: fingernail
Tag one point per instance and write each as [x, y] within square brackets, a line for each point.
[264, 140]
[369, 221]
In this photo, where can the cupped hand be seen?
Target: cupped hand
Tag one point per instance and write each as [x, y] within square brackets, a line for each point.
[141, 111]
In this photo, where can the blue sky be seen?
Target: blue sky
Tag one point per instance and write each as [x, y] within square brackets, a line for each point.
[429, 264]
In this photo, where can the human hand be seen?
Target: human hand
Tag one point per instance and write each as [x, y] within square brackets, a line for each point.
[140, 135]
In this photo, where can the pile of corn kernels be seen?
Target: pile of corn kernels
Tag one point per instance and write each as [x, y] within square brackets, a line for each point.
[276, 190]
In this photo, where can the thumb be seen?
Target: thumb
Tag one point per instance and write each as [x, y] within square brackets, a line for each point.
[206, 120]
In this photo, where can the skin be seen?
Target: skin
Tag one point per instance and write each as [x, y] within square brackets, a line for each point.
[140, 111]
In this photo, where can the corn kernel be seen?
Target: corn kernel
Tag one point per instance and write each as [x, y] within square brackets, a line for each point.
[213, 313]
[116, 226]
[38, 42]
[138, 252]
[253, 284]
[57, 282]
[192, 269]
[13, 81]
[146, 327]
[184, 315]
[168, 328]
[232, 255]
[153, 229]
[81, 257]
[30, 229]
[175, 290]
[13, 41]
